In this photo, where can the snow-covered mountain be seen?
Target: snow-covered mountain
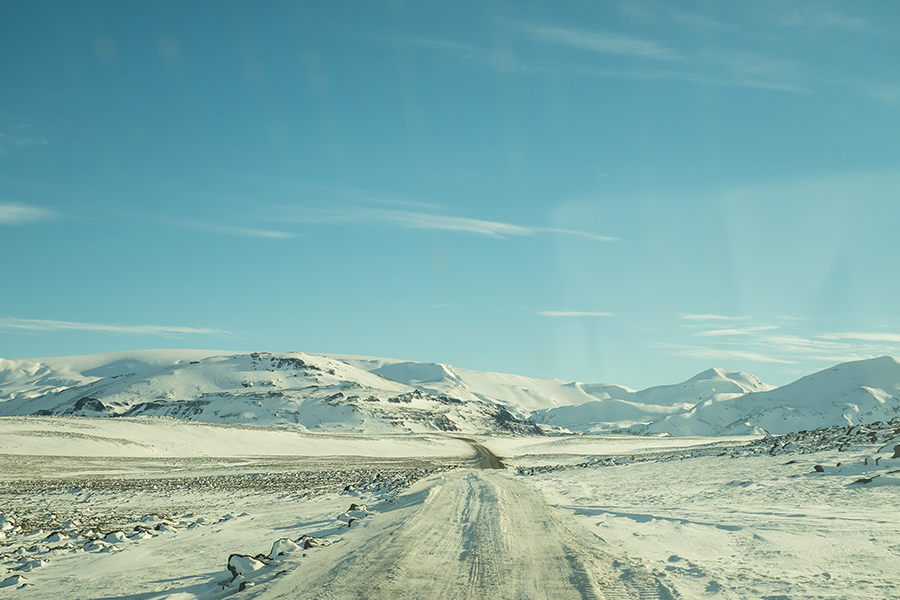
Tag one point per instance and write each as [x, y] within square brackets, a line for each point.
[521, 395]
[379, 395]
[852, 393]
[624, 409]
[305, 391]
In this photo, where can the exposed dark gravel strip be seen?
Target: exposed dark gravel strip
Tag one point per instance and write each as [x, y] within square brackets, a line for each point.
[875, 435]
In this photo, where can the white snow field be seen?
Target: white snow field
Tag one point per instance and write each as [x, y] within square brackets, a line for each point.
[710, 524]
[580, 517]
[200, 475]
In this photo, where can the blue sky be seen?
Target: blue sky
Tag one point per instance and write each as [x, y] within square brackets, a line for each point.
[608, 192]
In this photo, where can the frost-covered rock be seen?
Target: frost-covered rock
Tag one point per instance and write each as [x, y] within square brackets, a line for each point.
[115, 537]
[140, 534]
[14, 581]
[282, 547]
[30, 565]
[243, 565]
[96, 546]
[57, 537]
[307, 541]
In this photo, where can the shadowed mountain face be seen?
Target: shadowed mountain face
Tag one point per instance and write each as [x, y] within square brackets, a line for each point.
[281, 390]
[377, 395]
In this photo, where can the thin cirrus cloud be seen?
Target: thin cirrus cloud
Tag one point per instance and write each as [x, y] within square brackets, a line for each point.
[238, 231]
[574, 313]
[501, 59]
[746, 69]
[723, 354]
[710, 317]
[248, 231]
[429, 221]
[14, 213]
[782, 343]
[598, 41]
[717, 67]
[51, 325]
[737, 331]
[893, 338]
[814, 17]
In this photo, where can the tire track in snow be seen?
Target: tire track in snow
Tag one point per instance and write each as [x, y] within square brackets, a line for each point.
[479, 534]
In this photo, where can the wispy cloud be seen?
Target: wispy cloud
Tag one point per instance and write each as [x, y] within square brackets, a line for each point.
[159, 330]
[13, 213]
[893, 338]
[751, 69]
[573, 313]
[429, 221]
[737, 331]
[698, 21]
[708, 317]
[788, 340]
[815, 16]
[659, 62]
[598, 41]
[363, 195]
[234, 230]
[254, 232]
[17, 137]
[502, 59]
[723, 354]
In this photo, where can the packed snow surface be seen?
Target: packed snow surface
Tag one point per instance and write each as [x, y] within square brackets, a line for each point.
[808, 515]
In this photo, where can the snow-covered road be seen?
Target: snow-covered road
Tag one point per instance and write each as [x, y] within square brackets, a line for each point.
[466, 534]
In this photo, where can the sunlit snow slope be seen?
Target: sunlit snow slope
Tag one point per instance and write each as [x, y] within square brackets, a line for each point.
[298, 390]
[359, 394]
[632, 410]
[852, 393]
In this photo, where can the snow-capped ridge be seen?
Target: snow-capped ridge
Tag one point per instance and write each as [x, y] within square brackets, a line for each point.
[851, 393]
[304, 391]
[365, 394]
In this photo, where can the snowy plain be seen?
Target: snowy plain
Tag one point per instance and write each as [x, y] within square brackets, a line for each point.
[744, 527]
[113, 507]
[700, 516]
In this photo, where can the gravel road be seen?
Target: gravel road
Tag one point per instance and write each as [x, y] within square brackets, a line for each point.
[467, 534]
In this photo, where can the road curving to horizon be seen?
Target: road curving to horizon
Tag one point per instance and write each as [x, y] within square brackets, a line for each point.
[467, 534]
[484, 457]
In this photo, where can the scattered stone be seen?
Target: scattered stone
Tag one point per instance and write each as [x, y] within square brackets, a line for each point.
[307, 541]
[115, 537]
[14, 580]
[241, 564]
[56, 537]
[282, 547]
[96, 546]
[30, 565]
[882, 435]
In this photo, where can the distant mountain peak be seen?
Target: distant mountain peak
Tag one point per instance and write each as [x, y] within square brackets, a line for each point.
[365, 394]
